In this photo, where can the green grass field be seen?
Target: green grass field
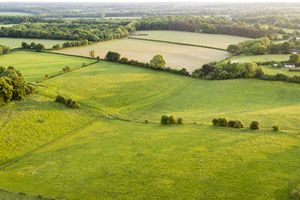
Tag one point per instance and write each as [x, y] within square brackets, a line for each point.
[34, 65]
[176, 56]
[108, 152]
[273, 71]
[210, 40]
[260, 58]
[16, 42]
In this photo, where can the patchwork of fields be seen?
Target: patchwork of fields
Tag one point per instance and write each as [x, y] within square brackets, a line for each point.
[176, 56]
[53, 151]
[16, 42]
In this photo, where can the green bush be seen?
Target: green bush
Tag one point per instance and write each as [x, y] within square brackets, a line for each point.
[235, 124]
[255, 125]
[172, 120]
[68, 102]
[179, 121]
[275, 128]
[220, 122]
[112, 56]
[169, 120]
[164, 119]
[60, 99]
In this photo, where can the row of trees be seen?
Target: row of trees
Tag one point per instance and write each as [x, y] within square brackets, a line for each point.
[4, 50]
[168, 120]
[228, 71]
[220, 25]
[33, 45]
[13, 86]
[67, 44]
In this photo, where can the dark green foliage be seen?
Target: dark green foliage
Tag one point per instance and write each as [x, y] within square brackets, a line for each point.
[146, 121]
[158, 62]
[60, 99]
[275, 128]
[169, 120]
[235, 124]
[12, 85]
[66, 69]
[228, 71]
[255, 125]
[4, 50]
[179, 121]
[68, 102]
[220, 122]
[77, 43]
[112, 56]
[34, 46]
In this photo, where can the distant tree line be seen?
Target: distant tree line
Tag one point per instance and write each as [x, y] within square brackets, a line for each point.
[13, 86]
[220, 25]
[4, 50]
[90, 30]
[67, 44]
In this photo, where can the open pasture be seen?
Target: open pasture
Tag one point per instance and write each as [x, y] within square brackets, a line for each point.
[109, 88]
[16, 42]
[204, 39]
[176, 56]
[147, 161]
[273, 71]
[34, 65]
[260, 58]
[122, 157]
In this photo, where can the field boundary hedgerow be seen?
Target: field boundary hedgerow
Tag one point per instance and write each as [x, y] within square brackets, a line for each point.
[177, 43]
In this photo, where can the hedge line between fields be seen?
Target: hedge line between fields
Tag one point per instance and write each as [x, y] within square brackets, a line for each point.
[178, 43]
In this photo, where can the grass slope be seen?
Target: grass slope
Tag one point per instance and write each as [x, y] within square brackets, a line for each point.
[210, 40]
[27, 125]
[35, 65]
[110, 87]
[272, 71]
[176, 56]
[119, 160]
[16, 42]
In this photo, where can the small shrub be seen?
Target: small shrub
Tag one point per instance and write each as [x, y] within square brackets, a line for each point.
[46, 76]
[146, 121]
[255, 125]
[60, 99]
[220, 122]
[66, 69]
[179, 121]
[235, 124]
[172, 120]
[168, 120]
[72, 104]
[275, 128]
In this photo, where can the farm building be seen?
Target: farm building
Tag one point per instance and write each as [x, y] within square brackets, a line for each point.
[289, 65]
[295, 51]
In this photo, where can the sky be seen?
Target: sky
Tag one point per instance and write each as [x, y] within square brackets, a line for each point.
[240, 1]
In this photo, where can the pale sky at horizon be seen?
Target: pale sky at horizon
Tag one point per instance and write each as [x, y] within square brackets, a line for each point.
[136, 1]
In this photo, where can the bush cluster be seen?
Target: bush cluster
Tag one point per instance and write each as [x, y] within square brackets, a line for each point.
[165, 119]
[4, 50]
[275, 128]
[76, 43]
[224, 122]
[66, 69]
[68, 102]
[281, 77]
[32, 45]
[116, 57]
[13, 86]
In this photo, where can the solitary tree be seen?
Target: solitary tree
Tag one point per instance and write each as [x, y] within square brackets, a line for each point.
[158, 62]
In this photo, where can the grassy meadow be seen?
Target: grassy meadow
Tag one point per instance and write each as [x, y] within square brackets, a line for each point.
[204, 39]
[260, 58]
[35, 65]
[16, 13]
[273, 71]
[52, 151]
[16, 42]
[176, 56]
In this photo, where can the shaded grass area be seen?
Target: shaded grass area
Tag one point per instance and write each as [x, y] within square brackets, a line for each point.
[34, 65]
[273, 71]
[260, 58]
[136, 161]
